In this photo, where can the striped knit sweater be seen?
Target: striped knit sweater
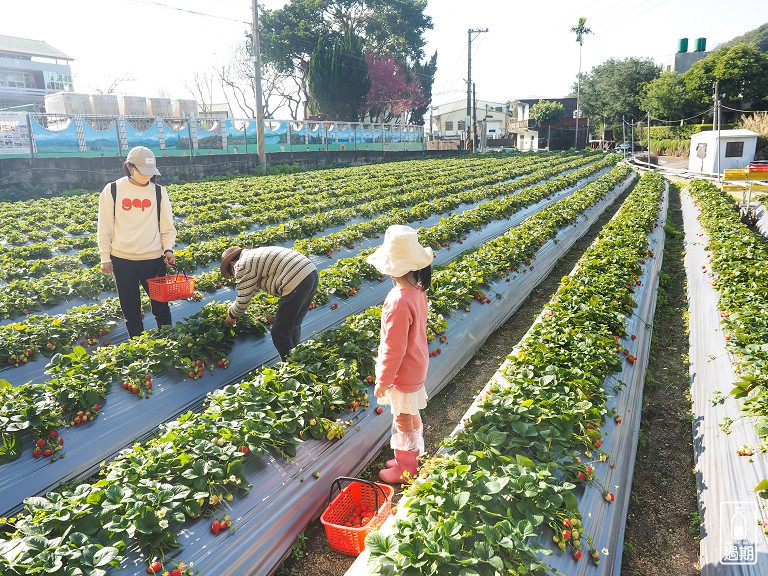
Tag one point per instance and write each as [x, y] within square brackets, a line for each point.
[270, 269]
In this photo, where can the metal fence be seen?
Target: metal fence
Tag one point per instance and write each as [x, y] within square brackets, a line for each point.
[50, 135]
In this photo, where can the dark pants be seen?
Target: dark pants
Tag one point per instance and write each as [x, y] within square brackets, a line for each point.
[286, 329]
[130, 275]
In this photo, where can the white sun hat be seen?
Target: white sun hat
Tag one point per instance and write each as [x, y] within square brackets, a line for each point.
[401, 252]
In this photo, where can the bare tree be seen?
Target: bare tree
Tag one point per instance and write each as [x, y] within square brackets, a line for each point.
[201, 87]
[115, 83]
[237, 81]
[279, 90]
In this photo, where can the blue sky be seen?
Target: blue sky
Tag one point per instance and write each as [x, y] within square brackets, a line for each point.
[527, 52]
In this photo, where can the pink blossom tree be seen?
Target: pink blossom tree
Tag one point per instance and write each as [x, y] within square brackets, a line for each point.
[393, 92]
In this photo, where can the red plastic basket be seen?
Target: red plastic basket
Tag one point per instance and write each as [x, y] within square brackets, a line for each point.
[359, 493]
[173, 287]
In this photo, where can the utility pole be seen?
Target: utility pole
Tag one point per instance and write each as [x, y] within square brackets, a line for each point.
[474, 119]
[469, 80]
[624, 135]
[431, 126]
[649, 140]
[257, 86]
[632, 138]
[716, 120]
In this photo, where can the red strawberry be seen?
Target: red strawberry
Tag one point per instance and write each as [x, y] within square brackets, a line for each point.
[634, 337]
[47, 452]
[379, 410]
[577, 555]
[215, 526]
[334, 306]
[244, 449]
[37, 453]
[174, 572]
[566, 534]
[609, 497]
[369, 379]
[155, 568]
[40, 443]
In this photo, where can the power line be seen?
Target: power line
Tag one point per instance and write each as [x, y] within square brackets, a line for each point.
[622, 13]
[739, 110]
[194, 12]
[634, 15]
[707, 111]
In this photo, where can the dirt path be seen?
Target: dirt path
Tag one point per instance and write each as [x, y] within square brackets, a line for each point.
[663, 522]
[311, 555]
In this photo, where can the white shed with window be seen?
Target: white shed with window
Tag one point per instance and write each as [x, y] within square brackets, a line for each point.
[736, 150]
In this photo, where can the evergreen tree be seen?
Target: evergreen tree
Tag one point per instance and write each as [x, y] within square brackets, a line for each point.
[338, 77]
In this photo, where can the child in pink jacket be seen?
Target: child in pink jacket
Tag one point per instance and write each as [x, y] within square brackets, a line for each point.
[403, 358]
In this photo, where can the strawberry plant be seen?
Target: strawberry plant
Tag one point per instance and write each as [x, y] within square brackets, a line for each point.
[555, 377]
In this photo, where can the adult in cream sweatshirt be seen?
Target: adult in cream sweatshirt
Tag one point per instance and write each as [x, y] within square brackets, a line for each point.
[133, 244]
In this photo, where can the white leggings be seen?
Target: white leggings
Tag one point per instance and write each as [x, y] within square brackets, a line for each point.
[407, 433]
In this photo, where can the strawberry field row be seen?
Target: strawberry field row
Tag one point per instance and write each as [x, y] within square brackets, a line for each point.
[20, 342]
[514, 468]
[233, 211]
[52, 218]
[24, 295]
[344, 278]
[210, 482]
[738, 265]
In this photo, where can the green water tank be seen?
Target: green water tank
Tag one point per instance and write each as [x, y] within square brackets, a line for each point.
[701, 44]
[682, 45]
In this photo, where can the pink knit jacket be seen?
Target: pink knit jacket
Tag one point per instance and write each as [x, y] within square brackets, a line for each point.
[403, 357]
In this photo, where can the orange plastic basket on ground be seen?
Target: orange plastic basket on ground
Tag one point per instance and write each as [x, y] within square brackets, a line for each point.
[369, 502]
[171, 287]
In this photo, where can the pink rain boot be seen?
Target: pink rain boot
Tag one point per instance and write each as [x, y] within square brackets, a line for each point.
[405, 461]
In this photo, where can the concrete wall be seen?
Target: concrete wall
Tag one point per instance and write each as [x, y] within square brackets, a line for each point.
[22, 178]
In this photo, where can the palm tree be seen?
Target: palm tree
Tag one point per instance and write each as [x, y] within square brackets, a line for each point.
[580, 30]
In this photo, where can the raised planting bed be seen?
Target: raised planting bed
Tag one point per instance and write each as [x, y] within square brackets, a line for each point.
[727, 268]
[546, 454]
[265, 413]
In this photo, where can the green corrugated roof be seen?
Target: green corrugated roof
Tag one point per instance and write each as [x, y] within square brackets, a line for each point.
[29, 47]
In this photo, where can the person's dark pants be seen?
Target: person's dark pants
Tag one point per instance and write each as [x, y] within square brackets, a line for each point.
[130, 276]
[286, 329]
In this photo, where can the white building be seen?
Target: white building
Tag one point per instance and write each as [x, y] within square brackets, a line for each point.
[449, 121]
[713, 151]
[682, 60]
